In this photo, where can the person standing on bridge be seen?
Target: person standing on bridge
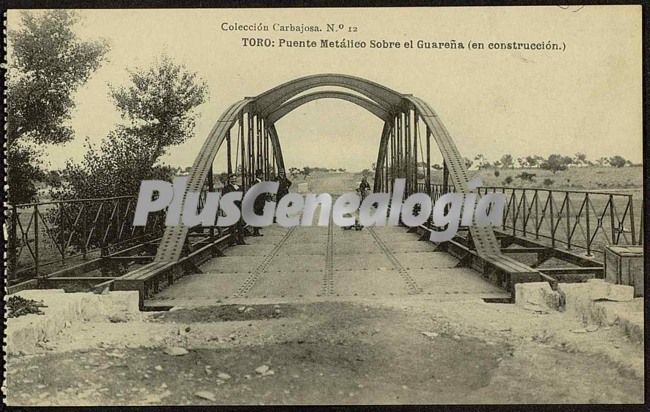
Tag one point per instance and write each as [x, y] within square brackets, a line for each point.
[283, 188]
[284, 185]
[238, 228]
[364, 187]
[258, 205]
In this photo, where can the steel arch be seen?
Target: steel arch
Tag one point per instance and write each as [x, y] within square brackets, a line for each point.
[275, 103]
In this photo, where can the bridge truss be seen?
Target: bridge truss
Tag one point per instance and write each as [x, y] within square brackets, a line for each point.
[246, 132]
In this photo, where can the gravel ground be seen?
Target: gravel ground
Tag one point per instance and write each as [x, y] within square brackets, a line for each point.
[350, 352]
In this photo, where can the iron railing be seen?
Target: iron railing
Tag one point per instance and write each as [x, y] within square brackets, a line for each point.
[48, 235]
[435, 190]
[573, 219]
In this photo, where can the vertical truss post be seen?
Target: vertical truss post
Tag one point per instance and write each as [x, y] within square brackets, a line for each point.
[407, 150]
[568, 222]
[251, 151]
[536, 213]
[428, 172]
[630, 206]
[211, 183]
[265, 136]
[393, 143]
[445, 178]
[273, 157]
[524, 218]
[415, 145]
[587, 223]
[550, 201]
[611, 219]
[384, 166]
[260, 150]
[228, 153]
[242, 149]
[398, 138]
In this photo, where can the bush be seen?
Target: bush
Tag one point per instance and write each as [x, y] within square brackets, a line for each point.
[617, 161]
[556, 162]
[497, 173]
[508, 180]
[525, 176]
[548, 182]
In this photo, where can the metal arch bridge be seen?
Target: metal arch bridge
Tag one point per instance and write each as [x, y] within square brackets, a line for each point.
[260, 145]
[536, 217]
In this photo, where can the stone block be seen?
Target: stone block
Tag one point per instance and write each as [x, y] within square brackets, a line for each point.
[24, 333]
[605, 304]
[536, 294]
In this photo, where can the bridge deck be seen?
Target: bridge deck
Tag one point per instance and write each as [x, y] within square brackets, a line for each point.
[328, 263]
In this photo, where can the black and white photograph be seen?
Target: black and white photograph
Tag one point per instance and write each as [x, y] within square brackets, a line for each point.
[323, 206]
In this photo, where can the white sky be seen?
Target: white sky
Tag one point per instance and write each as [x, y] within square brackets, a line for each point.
[587, 99]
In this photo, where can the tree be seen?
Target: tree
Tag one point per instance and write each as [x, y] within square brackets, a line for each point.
[556, 162]
[617, 161]
[507, 162]
[522, 162]
[580, 158]
[158, 106]
[481, 161]
[603, 161]
[48, 63]
[468, 162]
[115, 168]
[53, 178]
[532, 161]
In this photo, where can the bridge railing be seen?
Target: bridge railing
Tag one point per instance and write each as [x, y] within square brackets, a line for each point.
[45, 236]
[572, 219]
[435, 190]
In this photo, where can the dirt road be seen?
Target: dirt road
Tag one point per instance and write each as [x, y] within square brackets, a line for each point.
[332, 352]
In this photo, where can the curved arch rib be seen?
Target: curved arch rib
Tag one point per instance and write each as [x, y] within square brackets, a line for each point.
[291, 105]
[173, 239]
[386, 98]
[484, 238]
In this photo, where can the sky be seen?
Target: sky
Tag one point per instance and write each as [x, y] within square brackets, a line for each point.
[585, 99]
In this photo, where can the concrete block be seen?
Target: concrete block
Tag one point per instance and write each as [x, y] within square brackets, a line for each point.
[598, 289]
[26, 332]
[536, 293]
[620, 293]
[604, 304]
[632, 325]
